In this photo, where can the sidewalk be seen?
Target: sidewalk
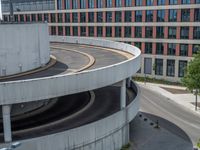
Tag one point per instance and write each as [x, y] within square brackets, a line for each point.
[176, 93]
[144, 136]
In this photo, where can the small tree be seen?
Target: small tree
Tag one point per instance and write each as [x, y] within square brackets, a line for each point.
[192, 75]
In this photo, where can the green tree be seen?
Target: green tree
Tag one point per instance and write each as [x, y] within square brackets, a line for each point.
[192, 76]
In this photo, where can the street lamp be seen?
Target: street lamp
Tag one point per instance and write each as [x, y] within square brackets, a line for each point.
[12, 146]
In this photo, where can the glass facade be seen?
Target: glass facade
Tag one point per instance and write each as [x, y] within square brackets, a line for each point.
[171, 67]
[171, 49]
[148, 48]
[160, 15]
[172, 32]
[182, 67]
[183, 50]
[159, 32]
[172, 15]
[149, 16]
[159, 66]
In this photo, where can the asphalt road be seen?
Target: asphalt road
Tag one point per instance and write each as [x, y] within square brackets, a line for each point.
[171, 116]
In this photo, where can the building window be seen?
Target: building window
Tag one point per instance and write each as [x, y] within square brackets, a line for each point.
[138, 32]
[160, 15]
[138, 44]
[196, 33]
[128, 16]
[118, 3]
[173, 2]
[170, 67]
[183, 49]
[33, 16]
[108, 3]
[159, 32]
[60, 30]
[148, 32]
[59, 4]
[91, 31]
[46, 17]
[60, 17]
[39, 17]
[75, 31]
[67, 31]
[108, 16]
[185, 1]
[182, 67]
[90, 3]
[67, 17]
[197, 14]
[128, 3]
[99, 3]
[159, 66]
[82, 4]
[148, 48]
[138, 3]
[90, 16]
[53, 18]
[184, 32]
[172, 15]
[16, 18]
[53, 30]
[185, 15]
[149, 2]
[67, 4]
[118, 16]
[117, 31]
[28, 18]
[195, 48]
[159, 48]
[99, 31]
[161, 2]
[82, 17]
[147, 65]
[99, 16]
[75, 17]
[127, 31]
[171, 49]
[83, 31]
[108, 31]
[197, 2]
[75, 4]
[138, 16]
[172, 32]
[149, 15]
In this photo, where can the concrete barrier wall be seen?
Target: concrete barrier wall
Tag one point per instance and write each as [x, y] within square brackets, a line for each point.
[55, 86]
[107, 134]
[23, 47]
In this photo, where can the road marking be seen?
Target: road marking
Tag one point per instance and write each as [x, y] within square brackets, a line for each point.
[91, 58]
[165, 111]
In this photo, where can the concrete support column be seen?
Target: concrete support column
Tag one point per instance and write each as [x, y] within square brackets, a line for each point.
[6, 109]
[123, 94]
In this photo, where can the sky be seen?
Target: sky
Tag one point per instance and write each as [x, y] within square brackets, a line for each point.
[0, 11]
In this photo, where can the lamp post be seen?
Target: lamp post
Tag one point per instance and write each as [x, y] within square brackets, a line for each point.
[12, 146]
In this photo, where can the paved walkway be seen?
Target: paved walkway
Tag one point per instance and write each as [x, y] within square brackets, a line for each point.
[176, 93]
[146, 137]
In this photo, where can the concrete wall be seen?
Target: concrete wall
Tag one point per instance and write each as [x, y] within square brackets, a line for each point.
[23, 47]
[55, 86]
[107, 134]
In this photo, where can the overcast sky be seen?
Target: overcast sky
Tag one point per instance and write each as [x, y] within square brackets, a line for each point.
[0, 11]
